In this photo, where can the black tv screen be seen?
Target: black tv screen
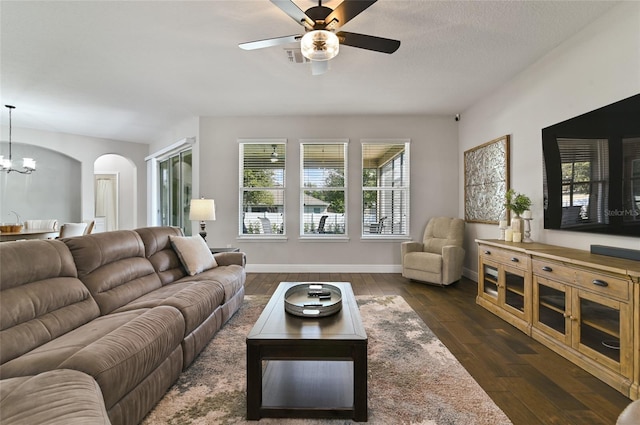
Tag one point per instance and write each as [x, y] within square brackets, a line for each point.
[591, 173]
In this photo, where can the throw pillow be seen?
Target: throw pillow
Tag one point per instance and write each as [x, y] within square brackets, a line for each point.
[194, 253]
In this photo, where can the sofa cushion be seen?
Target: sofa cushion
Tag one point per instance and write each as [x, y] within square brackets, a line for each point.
[57, 397]
[160, 252]
[196, 300]
[119, 350]
[114, 267]
[41, 298]
[231, 278]
[194, 254]
[124, 358]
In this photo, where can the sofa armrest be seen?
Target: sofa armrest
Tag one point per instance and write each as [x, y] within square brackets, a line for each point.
[452, 260]
[229, 258]
[60, 396]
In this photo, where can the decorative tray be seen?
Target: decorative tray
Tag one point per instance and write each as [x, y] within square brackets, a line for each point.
[313, 299]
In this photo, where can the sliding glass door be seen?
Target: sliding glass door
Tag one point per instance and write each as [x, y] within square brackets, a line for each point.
[176, 190]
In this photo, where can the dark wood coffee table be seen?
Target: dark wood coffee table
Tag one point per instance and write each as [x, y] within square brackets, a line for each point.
[307, 367]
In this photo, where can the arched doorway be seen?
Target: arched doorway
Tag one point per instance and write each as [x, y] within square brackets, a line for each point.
[115, 193]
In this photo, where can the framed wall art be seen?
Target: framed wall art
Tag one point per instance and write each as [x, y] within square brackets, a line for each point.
[486, 181]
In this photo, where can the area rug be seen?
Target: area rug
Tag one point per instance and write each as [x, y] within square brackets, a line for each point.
[413, 378]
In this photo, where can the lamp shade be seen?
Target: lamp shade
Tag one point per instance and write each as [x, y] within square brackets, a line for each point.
[202, 209]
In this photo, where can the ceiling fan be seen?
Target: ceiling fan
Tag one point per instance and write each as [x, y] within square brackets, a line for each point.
[320, 43]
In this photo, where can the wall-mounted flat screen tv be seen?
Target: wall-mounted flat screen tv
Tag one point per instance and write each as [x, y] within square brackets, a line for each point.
[591, 173]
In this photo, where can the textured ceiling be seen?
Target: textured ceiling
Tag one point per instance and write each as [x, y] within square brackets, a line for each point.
[128, 70]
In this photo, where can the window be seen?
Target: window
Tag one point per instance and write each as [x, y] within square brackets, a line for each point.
[585, 180]
[324, 187]
[262, 178]
[175, 190]
[385, 188]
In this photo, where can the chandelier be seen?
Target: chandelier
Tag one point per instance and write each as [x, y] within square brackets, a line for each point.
[28, 164]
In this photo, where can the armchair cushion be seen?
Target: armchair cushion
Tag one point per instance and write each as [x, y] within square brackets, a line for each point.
[426, 261]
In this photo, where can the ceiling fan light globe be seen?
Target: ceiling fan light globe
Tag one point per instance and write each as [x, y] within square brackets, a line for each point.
[320, 45]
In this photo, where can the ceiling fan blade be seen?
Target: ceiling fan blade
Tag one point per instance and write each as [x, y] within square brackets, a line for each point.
[369, 42]
[346, 11]
[290, 8]
[269, 42]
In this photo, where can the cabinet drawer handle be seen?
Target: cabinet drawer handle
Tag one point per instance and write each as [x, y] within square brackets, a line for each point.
[487, 252]
[547, 269]
[515, 260]
[600, 282]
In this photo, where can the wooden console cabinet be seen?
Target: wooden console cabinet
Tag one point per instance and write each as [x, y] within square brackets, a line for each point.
[584, 307]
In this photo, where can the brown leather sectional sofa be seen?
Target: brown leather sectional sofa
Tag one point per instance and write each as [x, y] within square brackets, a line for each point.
[95, 329]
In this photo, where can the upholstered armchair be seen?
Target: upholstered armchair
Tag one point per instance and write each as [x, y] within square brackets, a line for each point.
[440, 256]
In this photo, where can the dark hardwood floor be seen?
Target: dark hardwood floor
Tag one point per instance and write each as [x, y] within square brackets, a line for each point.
[529, 382]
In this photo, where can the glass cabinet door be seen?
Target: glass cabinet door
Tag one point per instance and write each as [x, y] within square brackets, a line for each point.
[514, 284]
[598, 327]
[550, 308]
[489, 281]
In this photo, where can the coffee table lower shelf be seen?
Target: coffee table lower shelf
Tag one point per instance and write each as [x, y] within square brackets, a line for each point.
[307, 388]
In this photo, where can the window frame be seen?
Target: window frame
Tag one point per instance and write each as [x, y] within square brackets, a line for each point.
[405, 189]
[277, 224]
[344, 235]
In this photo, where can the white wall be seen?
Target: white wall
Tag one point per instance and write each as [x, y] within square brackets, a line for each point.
[177, 134]
[30, 196]
[87, 150]
[598, 66]
[434, 181]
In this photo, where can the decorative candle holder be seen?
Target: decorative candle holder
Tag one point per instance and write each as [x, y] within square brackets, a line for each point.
[502, 226]
[527, 230]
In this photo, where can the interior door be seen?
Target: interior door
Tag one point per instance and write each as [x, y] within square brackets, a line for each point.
[106, 201]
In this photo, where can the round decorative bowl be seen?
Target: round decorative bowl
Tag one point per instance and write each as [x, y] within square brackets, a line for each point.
[313, 299]
[10, 228]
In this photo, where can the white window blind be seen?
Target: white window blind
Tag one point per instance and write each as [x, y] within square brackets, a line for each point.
[324, 187]
[385, 188]
[262, 185]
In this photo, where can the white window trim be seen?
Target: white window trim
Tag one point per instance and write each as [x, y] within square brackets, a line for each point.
[378, 237]
[324, 237]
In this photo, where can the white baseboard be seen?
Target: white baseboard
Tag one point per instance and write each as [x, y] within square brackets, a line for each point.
[324, 268]
[471, 274]
[338, 268]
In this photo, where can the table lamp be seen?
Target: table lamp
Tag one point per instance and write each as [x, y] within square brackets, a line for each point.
[202, 210]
